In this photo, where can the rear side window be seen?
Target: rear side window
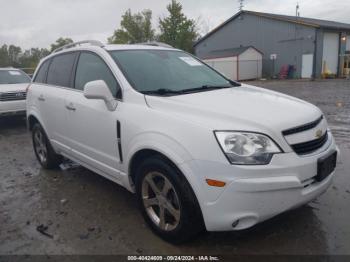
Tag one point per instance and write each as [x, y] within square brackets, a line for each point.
[60, 70]
[90, 68]
[41, 75]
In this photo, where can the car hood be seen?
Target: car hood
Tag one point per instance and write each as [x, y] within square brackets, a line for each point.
[246, 108]
[13, 87]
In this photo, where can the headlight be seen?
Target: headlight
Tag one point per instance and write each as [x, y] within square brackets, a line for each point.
[243, 148]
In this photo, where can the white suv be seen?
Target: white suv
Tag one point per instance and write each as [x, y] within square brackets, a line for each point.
[13, 84]
[199, 150]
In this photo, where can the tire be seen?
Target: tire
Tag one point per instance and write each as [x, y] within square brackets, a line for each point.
[44, 152]
[182, 220]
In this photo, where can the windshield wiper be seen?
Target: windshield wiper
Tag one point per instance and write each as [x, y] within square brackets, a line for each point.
[162, 91]
[205, 88]
[165, 91]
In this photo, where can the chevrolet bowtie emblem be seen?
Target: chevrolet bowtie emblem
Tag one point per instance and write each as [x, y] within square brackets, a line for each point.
[318, 133]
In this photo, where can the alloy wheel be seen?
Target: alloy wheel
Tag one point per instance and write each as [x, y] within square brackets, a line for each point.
[40, 146]
[161, 201]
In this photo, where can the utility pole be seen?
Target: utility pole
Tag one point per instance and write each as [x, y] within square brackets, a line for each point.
[241, 5]
[297, 13]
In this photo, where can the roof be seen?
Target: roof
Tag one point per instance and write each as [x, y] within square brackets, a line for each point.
[109, 47]
[113, 47]
[135, 46]
[229, 52]
[316, 23]
[101, 45]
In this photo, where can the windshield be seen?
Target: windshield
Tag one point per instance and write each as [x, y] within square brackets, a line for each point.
[171, 72]
[13, 77]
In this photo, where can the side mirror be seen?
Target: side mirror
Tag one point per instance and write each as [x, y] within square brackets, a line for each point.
[99, 90]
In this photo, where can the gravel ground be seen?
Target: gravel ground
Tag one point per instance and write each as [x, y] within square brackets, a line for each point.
[83, 213]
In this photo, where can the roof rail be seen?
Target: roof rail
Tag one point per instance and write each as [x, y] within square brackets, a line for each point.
[91, 42]
[155, 43]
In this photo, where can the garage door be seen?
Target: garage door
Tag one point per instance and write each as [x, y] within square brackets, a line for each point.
[330, 52]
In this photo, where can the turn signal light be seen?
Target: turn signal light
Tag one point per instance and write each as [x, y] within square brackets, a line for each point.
[216, 183]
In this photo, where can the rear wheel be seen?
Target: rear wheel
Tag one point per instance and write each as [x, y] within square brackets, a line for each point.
[167, 201]
[43, 149]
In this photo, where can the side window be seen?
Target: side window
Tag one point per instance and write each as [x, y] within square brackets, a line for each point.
[90, 68]
[60, 70]
[41, 75]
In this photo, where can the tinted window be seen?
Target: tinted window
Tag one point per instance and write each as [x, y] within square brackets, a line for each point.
[13, 77]
[60, 70]
[41, 75]
[91, 68]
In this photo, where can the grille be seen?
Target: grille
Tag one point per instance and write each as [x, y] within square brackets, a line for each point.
[302, 128]
[310, 146]
[12, 96]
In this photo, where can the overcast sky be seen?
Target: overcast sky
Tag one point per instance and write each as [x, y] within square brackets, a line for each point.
[37, 23]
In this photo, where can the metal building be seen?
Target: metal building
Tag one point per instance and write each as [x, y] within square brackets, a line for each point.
[312, 47]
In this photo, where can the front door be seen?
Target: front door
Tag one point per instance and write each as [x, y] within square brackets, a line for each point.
[93, 128]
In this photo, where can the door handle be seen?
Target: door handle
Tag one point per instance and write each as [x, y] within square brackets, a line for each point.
[71, 107]
[41, 98]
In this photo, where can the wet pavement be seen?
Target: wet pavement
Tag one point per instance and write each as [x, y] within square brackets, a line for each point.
[78, 212]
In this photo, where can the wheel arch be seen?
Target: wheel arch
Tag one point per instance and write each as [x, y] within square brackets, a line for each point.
[34, 117]
[140, 156]
[181, 168]
[148, 144]
[147, 152]
[31, 121]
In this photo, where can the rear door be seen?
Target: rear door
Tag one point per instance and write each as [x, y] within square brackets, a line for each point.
[35, 102]
[92, 127]
[52, 98]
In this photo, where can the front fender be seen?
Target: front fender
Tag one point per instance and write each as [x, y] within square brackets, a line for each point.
[159, 142]
[168, 147]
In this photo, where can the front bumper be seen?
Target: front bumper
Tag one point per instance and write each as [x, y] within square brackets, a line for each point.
[13, 108]
[255, 193]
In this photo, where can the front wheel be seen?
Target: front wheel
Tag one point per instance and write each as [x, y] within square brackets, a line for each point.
[167, 201]
[43, 149]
